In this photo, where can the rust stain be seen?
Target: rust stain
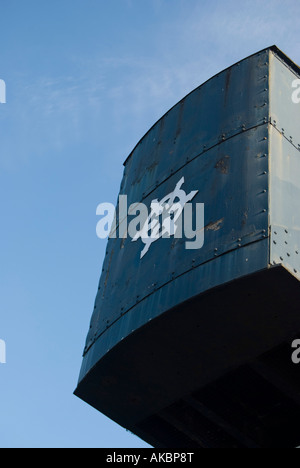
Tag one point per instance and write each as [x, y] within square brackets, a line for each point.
[180, 114]
[223, 165]
[245, 218]
[215, 226]
[227, 83]
[152, 166]
[107, 272]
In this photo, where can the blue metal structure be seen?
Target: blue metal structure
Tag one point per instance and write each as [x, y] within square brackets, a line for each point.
[192, 347]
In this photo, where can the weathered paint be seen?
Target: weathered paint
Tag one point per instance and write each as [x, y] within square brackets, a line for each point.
[217, 139]
[285, 168]
[173, 333]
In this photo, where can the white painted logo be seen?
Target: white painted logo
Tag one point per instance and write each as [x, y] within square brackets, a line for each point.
[170, 209]
[171, 216]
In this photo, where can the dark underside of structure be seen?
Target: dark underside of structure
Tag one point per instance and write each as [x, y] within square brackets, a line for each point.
[191, 346]
[232, 348]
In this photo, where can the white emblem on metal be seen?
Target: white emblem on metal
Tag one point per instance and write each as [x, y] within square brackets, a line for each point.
[169, 209]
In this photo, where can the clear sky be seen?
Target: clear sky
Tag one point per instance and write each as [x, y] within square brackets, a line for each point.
[85, 80]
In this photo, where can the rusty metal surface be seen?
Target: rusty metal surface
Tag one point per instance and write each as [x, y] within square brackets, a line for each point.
[217, 139]
[168, 326]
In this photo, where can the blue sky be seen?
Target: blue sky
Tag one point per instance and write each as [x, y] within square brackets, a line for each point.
[85, 80]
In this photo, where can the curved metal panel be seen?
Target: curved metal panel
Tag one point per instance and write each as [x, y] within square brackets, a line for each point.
[216, 138]
[175, 331]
